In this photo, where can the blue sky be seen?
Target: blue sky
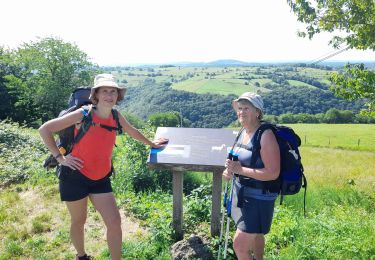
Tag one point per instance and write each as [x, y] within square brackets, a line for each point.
[119, 32]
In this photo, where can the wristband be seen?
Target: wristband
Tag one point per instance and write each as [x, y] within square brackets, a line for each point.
[57, 156]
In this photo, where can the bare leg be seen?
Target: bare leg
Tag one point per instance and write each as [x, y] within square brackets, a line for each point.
[258, 246]
[242, 244]
[78, 214]
[105, 203]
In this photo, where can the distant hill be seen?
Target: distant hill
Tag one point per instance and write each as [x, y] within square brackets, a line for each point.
[203, 94]
[238, 63]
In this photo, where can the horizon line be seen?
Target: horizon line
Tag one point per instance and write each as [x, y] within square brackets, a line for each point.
[233, 61]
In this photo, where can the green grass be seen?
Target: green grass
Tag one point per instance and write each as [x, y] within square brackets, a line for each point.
[340, 222]
[219, 86]
[296, 83]
[343, 136]
[218, 80]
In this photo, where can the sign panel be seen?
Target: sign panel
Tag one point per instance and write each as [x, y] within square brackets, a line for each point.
[193, 146]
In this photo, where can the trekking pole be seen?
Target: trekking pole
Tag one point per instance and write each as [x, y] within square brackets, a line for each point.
[229, 210]
[230, 157]
[222, 218]
[229, 213]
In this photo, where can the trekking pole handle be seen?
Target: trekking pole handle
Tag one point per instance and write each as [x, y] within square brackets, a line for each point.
[230, 157]
[229, 206]
[225, 194]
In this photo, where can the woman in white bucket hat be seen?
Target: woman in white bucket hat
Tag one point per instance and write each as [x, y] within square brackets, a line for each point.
[252, 207]
[89, 165]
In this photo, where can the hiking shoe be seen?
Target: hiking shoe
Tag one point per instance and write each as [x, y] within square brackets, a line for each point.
[84, 257]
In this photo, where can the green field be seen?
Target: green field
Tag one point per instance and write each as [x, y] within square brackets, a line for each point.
[297, 83]
[345, 136]
[219, 80]
[339, 224]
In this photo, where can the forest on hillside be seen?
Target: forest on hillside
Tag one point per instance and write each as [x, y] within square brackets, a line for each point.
[212, 110]
[37, 79]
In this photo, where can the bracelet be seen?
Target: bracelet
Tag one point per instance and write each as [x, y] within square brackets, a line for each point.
[57, 156]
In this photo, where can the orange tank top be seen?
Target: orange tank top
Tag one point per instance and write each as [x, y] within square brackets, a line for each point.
[95, 148]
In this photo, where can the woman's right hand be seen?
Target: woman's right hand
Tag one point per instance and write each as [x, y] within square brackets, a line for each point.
[70, 161]
[227, 176]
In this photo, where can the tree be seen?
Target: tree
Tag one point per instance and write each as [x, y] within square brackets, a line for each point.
[332, 116]
[352, 23]
[6, 99]
[355, 83]
[47, 71]
[167, 119]
[356, 18]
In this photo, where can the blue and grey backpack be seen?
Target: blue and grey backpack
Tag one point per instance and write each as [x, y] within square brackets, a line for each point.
[291, 178]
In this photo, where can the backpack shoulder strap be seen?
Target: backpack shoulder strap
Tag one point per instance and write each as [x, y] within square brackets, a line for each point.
[86, 123]
[258, 133]
[256, 139]
[237, 137]
[116, 117]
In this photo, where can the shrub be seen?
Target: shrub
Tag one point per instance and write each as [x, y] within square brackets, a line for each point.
[22, 153]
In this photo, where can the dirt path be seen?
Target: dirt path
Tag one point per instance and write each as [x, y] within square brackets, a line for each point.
[46, 201]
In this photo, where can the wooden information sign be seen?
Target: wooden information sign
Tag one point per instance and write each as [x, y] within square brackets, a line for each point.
[193, 149]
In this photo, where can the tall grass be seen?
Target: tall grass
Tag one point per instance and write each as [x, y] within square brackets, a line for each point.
[340, 222]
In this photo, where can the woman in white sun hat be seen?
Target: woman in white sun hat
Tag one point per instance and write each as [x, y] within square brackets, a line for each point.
[252, 207]
[88, 167]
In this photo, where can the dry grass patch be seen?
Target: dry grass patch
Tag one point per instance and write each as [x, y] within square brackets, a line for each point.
[38, 223]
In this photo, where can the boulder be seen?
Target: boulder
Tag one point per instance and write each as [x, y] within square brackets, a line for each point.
[192, 248]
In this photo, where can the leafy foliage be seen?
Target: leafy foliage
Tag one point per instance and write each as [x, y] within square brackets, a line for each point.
[130, 163]
[356, 82]
[332, 116]
[198, 207]
[154, 209]
[21, 154]
[205, 110]
[356, 18]
[167, 119]
[302, 100]
[215, 111]
[39, 76]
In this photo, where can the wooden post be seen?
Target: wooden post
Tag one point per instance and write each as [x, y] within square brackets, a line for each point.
[216, 203]
[177, 205]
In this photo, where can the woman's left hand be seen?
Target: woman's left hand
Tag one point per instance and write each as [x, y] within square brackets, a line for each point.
[159, 142]
[233, 166]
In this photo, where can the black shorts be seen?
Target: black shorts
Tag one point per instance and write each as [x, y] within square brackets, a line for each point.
[74, 185]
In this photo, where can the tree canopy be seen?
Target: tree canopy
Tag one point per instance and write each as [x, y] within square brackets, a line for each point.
[352, 23]
[38, 77]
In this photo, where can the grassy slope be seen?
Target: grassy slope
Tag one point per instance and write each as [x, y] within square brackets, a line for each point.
[340, 204]
[347, 136]
[218, 80]
[340, 221]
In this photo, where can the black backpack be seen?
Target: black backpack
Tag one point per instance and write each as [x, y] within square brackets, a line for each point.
[66, 140]
[291, 178]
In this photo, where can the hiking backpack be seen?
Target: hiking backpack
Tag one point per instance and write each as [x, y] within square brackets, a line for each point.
[66, 138]
[291, 178]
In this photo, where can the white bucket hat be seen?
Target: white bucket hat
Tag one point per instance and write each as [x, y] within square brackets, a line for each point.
[255, 99]
[107, 80]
